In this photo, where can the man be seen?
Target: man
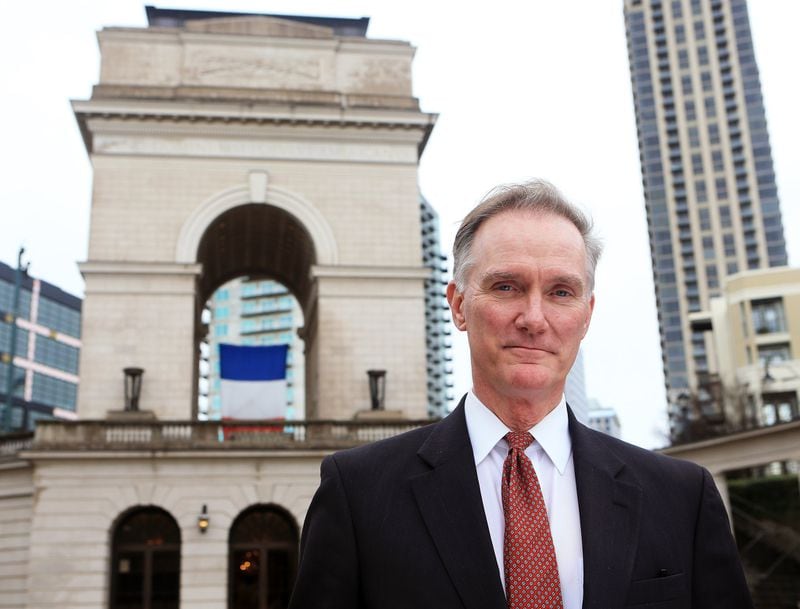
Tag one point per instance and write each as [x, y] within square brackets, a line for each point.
[509, 501]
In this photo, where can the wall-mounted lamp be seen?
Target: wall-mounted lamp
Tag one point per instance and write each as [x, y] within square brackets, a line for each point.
[377, 388]
[203, 519]
[133, 387]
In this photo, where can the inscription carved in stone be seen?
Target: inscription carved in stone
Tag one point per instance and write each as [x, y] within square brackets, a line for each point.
[253, 72]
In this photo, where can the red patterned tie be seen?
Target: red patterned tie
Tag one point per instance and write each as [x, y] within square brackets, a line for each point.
[529, 557]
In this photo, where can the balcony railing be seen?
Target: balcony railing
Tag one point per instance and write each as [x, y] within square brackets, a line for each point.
[214, 435]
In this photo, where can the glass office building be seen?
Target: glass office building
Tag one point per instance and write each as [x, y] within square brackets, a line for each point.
[45, 358]
[709, 185]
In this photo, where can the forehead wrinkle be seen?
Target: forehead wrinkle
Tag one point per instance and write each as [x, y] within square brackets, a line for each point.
[569, 278]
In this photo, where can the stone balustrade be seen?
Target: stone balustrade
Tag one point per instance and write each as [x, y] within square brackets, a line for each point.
[99, 435]
[11, 444]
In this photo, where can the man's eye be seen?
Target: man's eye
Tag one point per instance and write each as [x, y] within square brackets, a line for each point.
[561, 293]
[504, 287]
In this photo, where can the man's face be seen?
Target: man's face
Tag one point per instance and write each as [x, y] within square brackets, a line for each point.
[525, 306]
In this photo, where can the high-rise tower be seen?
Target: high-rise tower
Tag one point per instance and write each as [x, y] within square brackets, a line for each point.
[710, 193]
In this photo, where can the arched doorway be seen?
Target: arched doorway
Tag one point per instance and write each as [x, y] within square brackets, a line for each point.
[262, 558]
[260, 249]
[252, 312]
[145, 560]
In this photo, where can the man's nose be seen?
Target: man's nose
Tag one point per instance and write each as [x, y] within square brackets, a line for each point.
[531, 317]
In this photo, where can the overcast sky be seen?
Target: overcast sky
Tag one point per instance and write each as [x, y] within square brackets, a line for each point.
[523, 89]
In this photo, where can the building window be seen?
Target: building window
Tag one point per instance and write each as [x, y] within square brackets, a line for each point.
[722, 189]
[54, 391]
[779, 408]
[700, 191]
[699, 30]
[768, 316]
[769, 354]
[729, 244]
[717, 160]
[56, 354]
[713, 133]
[705, 218]
[145, 566]
[708, 248]
[691, 113]
[725, 216]
[711, 109]
[697, 163]
[59, 317]
[21, 348]
[712, 279]
[263, 558]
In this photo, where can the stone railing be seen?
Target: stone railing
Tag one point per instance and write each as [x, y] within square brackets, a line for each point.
[214, 435]
[11, 444]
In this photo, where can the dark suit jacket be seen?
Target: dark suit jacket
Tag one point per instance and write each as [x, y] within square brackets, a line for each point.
[400, 523]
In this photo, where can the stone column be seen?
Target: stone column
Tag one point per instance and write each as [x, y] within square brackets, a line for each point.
[138, 314]
[370, 318]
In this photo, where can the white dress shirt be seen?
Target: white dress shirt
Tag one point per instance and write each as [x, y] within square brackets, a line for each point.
[551, 455]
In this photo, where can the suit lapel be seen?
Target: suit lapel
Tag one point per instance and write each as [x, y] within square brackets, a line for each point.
[610, 511]
[449, 499]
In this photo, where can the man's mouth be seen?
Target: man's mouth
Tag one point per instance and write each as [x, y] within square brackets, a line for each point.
[529, 348]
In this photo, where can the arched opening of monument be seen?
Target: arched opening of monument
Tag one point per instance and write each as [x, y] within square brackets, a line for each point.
[255, 292]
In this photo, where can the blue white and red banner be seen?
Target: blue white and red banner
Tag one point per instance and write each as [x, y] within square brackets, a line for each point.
[253, 381]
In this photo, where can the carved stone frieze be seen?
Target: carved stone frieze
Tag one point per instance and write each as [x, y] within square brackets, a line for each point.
[389, 76]
[207, 66]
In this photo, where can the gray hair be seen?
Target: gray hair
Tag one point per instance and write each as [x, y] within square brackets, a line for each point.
[535, 195]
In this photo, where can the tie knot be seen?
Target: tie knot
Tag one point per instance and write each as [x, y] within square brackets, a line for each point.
[519, 439]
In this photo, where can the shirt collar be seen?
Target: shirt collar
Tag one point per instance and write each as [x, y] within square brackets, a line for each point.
[486, 430]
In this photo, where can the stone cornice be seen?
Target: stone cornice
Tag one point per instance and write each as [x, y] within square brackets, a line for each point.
[743, 449]
[116, 267]
[289, 97]
[257, 113]
[228, 114]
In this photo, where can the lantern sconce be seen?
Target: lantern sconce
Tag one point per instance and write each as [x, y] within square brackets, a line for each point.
[203, 519]
[133, 388]
[377, 388]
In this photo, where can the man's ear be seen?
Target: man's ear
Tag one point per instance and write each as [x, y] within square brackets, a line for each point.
[588, 316]
[456, 301]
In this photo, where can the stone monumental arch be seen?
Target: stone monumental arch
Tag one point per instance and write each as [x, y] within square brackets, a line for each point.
[223, 146]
